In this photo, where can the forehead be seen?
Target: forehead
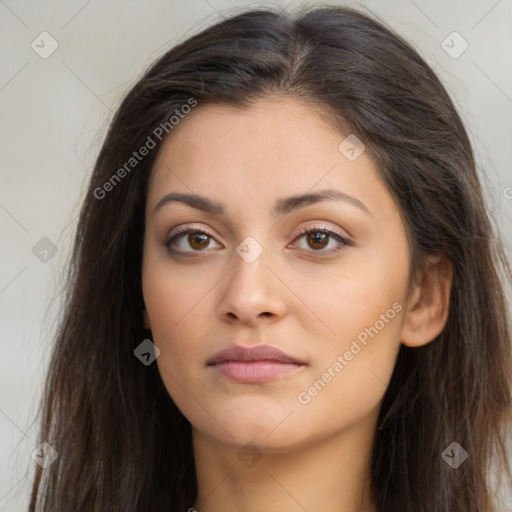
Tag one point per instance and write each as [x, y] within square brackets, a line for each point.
[272, 128]
[277, 147]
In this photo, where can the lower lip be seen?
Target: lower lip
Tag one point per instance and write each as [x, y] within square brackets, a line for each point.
[251, 372]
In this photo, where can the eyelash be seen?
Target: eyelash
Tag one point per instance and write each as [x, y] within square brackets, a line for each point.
[187, 229]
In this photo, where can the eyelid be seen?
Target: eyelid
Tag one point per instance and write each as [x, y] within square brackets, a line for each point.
[182, 231]
[320, 227]
[342, 241]
[301, 232]
[189, 227]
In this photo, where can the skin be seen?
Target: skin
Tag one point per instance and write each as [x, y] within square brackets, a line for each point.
[302, 298]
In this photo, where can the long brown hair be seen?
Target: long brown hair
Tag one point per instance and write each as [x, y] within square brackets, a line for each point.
[122, 443]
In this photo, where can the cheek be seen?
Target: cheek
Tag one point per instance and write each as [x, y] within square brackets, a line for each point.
[172, 298]
[174, 302]
[174, 305]
[364, 312]
[349, 378]
[354, 302]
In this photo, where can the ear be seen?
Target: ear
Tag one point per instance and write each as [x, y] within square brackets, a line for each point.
[145, 319]
[428, 305]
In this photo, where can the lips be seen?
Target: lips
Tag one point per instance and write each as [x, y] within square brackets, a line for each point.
[254, 353]
[254, 365]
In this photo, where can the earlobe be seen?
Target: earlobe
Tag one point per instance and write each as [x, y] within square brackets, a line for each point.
[428, 306]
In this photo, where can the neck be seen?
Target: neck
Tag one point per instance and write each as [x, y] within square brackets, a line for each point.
[331, 475]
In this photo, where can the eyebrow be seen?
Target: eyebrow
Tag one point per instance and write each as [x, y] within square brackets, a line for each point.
[281, 207]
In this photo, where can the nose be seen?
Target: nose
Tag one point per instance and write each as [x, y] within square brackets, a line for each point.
[253, 292]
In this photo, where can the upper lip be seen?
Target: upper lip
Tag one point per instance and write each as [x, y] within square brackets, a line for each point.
[254, 353]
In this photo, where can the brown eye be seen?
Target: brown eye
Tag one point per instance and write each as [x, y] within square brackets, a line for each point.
[317, 239]
[198, 240]
[189, 240]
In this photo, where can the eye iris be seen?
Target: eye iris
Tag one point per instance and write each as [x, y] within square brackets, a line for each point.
[193, 237]
[316, 237]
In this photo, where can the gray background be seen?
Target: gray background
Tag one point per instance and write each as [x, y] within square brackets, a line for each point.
[55, 112]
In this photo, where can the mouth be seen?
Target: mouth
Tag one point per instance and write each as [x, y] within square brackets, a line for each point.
[259, 363]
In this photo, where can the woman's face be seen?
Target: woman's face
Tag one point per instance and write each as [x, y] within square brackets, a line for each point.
[248, 276]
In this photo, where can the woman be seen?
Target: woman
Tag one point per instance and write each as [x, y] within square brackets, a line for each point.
[285, 291]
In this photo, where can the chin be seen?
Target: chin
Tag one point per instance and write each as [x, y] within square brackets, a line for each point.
[268, 432]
